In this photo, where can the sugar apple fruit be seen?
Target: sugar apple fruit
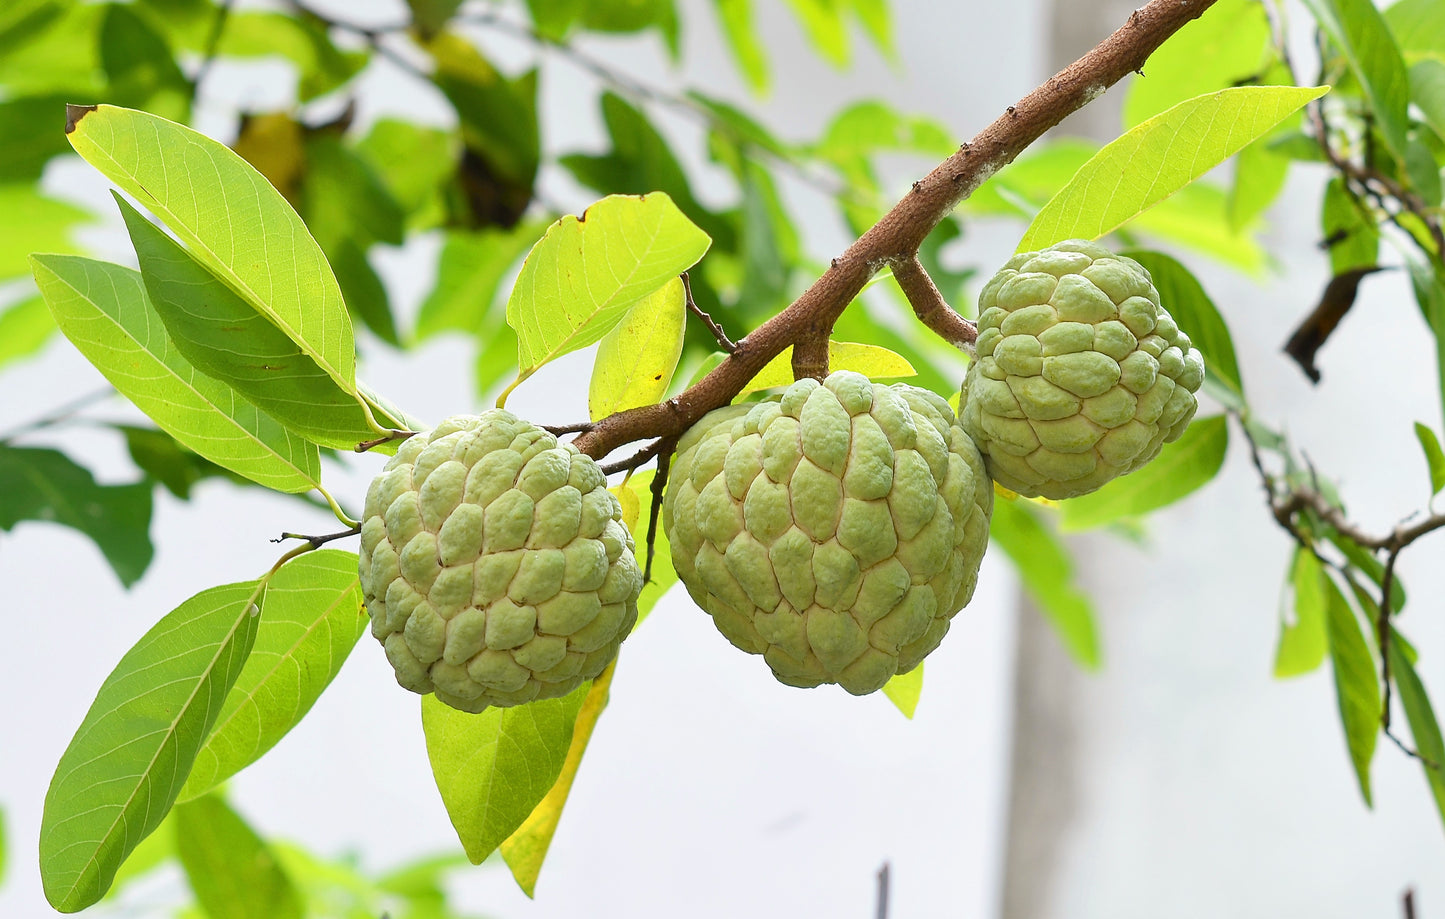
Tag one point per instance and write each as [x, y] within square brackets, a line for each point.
[1080, 376]
[495, 564]
[835, 529]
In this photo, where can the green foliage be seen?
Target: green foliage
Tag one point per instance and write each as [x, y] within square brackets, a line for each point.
[494, 768]
[1047, 574]
[1348, 223]
[104, 310]
[311, 618]
[46, 485]
[1224, 47]
[526, 849]
[1302, 638]
[582, 277]
[125, 765]
[233, 872]
[275, 267]
[1434, 457]
[1357, 688]
[904, 689]
[1421, 717]
[1171, 149]
[872, 361]
[635, 360]
[1359, 32]
[1180, 468]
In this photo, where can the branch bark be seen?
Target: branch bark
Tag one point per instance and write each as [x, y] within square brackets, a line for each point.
[895, 239]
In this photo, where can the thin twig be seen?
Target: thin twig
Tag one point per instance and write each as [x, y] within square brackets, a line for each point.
[659, 483]
[720, 336]
[636, 459]
[1408, 903]
[578, 427]
[316, 542]
[387, 438]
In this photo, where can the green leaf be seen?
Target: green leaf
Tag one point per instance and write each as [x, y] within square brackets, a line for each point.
[1221, 48]
[1428, 283]
[104, 310]
[33, 223]
[413, 162]
[1418, 26]
[525, 850]
[430, 15]
[498, 115]
[50, 47]
[343, 198]
[636, 499]
[120, 774]
[553, 18]
[224, 337]
[154, 851]
[825, 28]
[903, 690]
[1360, 32]
[492, 769]
[1184, 297]
[581, 278]
[232, 871]
[1197, 218]
[1427, 90]
[139, 65]
[1026, 184]
[744, 42]
[1423, 171]
[311, 619]
[25, 327]
[1353, 233]
[872, 361]
[1302, 641]
[636, 359]
[1434, 457]
[300, 40]
[1160, 156]
[2, 845]
[1046, 570]
[1357, 689]
[363, 289]
[1259, 177]
[1180, 468]
[46, 485]
[231, 220]
[167, 463]
[28, 138]
[469, 274]
[1421, 716]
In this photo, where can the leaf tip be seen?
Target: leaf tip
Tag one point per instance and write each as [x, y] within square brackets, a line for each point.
[73, 114]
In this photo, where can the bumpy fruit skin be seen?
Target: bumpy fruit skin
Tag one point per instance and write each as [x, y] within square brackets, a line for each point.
[835, 529]
[495, 564]
[1080, 375]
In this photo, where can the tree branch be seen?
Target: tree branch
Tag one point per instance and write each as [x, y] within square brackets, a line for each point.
[897, 236]
[928, 304]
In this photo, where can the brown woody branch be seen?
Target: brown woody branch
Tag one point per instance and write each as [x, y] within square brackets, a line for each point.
[895, 239]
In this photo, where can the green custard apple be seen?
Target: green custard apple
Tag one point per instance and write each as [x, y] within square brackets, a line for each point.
[1081, 375]
[495, 564]
[835, 529]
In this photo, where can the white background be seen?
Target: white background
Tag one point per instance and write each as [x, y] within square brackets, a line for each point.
[1204, 787]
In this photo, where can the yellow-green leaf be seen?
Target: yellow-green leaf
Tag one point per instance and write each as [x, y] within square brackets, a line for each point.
[525, 849]
[581, 278]
[870, 360]
[1151, 161]
[904, 689]
[636, 359]
[230, 218]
